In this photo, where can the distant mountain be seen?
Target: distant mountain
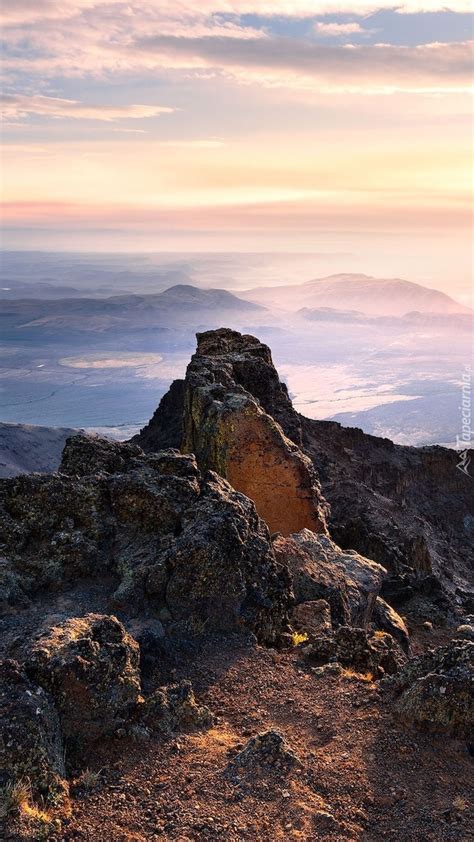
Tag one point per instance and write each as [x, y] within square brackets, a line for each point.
[179, 305]
[26, 449]
[414, 320]
[373, 296]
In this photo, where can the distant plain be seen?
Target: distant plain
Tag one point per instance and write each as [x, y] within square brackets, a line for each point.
[91, 341]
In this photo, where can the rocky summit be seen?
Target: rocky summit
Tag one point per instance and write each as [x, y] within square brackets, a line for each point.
[240, 625]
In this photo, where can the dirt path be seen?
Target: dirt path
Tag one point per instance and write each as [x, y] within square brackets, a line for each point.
[362, 776]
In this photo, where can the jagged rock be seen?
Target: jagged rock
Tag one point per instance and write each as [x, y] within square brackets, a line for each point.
[84, 455]
[89, 665]
[173, 539]
[321, 570]
[175, 708]
[435, 691]
[386, 619]
[54, 529]
[408, 508]
[237, 419]
[378, 653]
[31, 745]
[223, 571]
[267, 751]
[312, 617]
[166, 426]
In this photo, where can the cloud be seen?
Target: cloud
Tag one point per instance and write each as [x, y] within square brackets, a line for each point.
[28, 11]
[18, 106]
[302, 63]
[338, 29]
[192, 38]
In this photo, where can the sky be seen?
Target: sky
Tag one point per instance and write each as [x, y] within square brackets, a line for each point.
[242, 125]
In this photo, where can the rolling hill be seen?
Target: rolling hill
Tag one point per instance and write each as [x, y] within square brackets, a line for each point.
[373, 296]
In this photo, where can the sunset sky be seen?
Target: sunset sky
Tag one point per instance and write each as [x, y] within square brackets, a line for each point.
[242, 125]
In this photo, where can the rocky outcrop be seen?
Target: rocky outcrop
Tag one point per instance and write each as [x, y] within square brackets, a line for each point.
[266, 752]
[169, 536]
[31, 743]
[435, 691]
[175, 707]
[377, 653]
[236, 419]
[166, 426]
[321, 570]
[408, 508]
[90, 667]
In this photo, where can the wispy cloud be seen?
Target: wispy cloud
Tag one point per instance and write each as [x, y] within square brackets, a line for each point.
[290, 61]
[338, 29]
[80, 37]
[25, 11]
[14, 106]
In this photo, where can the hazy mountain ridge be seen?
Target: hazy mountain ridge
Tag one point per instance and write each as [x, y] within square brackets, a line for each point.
[181, 302]
[375, 296]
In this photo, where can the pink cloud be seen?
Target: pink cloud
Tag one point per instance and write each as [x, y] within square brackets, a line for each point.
[19, 105]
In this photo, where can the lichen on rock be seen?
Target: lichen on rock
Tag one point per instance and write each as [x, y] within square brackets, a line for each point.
[174, 707]
[31, 743]
[434, 691]
[90, 667]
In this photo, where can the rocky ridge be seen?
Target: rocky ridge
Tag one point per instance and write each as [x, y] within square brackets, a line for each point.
[179, 555]
[407, 508]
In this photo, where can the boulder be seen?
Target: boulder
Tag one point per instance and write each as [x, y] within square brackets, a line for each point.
[312, 617]
[314, 578]
[434, 692]
[174, 707]
[222, 570]
[321, 570]
[31, 745]
[90, 667]
[352, 647]
[266, 752]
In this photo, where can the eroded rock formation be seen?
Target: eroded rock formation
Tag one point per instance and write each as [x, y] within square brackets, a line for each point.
[235, 416]
[407, 508]
[172, 538]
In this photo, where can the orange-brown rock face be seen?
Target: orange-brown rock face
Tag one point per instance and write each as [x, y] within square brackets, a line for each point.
[263, 464]
[227, 428]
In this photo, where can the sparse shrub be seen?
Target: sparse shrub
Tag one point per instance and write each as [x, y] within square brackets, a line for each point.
[88, 779]
[13, 797]
[297, 638]
[16, 804]
[359, 676]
